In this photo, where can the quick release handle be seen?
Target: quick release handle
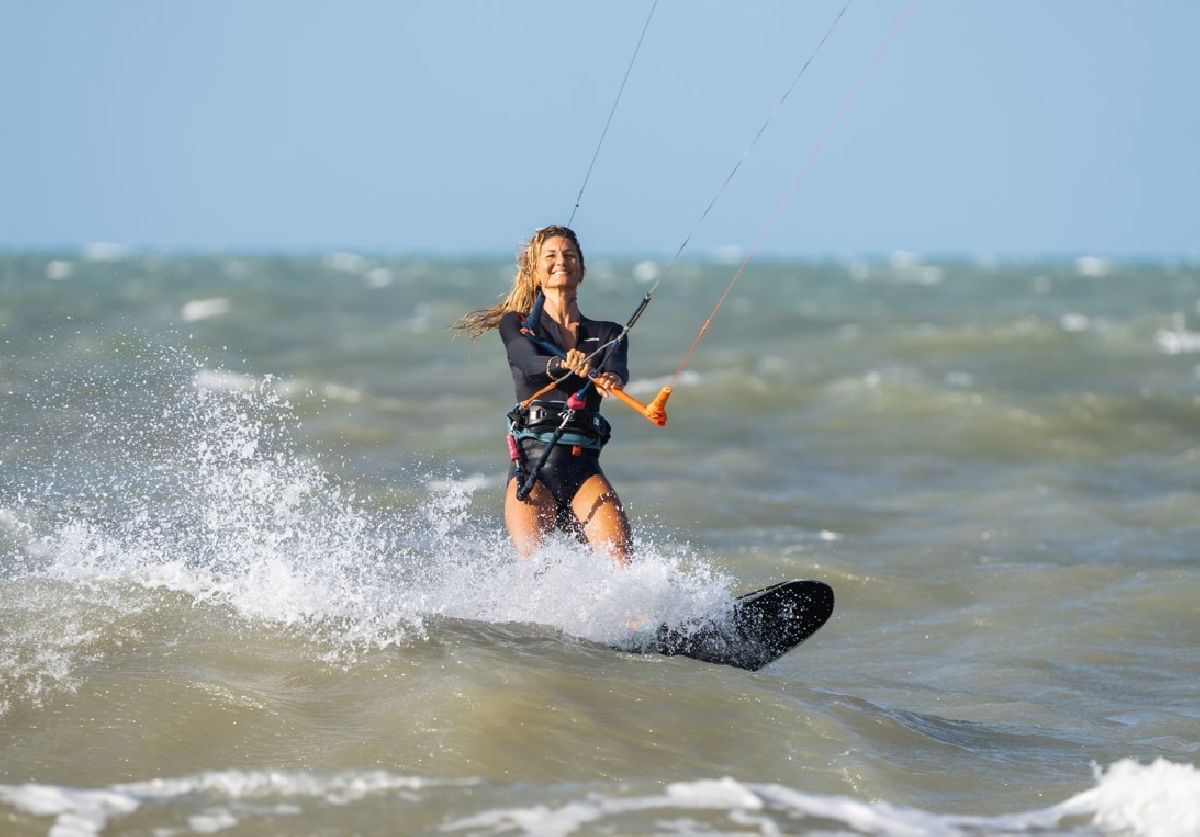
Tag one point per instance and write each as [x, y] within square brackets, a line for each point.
[655, 411]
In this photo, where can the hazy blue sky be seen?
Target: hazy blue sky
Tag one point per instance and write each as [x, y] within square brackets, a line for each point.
[993, 128]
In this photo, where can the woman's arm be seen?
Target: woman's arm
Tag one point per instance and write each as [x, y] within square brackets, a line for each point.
[523, 355]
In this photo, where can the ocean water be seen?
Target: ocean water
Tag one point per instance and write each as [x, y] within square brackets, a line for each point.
[253, 576]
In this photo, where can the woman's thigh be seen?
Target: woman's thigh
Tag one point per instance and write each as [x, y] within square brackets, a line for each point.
[528, 520]
[602, 518]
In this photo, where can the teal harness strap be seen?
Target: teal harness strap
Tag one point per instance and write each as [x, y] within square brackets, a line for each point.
[590, 442]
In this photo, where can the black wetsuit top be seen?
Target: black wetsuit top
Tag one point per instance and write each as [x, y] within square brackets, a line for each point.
[527, 360]
[567, 468]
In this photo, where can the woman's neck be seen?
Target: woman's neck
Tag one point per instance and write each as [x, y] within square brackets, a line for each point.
[561, 306]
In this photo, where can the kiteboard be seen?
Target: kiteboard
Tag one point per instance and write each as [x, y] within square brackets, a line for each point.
[761, 627]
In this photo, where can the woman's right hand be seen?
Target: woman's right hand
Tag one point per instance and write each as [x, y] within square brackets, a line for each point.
[577, 362]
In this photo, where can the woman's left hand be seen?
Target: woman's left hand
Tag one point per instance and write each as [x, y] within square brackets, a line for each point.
[606, 381]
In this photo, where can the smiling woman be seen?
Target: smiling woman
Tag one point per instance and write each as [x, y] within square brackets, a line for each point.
[557, 424]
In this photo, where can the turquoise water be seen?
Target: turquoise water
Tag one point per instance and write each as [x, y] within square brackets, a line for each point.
[254, 575]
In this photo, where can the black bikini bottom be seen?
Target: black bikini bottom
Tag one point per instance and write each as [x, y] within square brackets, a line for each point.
[563, 474]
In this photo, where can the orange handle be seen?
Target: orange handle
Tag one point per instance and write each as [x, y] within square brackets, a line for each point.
[655, 411]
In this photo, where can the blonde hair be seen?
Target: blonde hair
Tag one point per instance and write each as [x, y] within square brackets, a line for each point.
[524, 290]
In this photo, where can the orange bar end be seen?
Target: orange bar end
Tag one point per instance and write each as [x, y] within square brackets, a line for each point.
[656, 410]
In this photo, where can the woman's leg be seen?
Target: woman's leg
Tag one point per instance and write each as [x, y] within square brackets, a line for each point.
[528, 520]
[602, 519]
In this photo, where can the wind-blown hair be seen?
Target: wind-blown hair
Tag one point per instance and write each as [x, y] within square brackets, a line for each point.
[524, 288]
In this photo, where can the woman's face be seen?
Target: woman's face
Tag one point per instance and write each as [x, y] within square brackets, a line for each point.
[559, 265]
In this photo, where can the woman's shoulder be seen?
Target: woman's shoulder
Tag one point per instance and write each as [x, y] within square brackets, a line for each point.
[510, 322]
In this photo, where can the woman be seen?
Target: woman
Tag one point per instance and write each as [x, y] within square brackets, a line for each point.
[549, 341]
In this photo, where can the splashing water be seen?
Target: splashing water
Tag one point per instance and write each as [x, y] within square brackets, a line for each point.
[175, 478]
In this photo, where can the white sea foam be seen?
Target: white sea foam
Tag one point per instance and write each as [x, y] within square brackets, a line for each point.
[345, 262]
[79, 812]
[1076, 323]
[925, 275]
[1161, 799]
[1093, 267]
[104, 251]
[646, 272]
[421, 320]
[717, 795]
[650, 386]
[58, 270]
[728, 254]
[859, 271]
[908, 268]
[237, 269]
[959, 380]
[379, 277]
[204, 309]
[1178, 340]
[295, 387]
[341, 392]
